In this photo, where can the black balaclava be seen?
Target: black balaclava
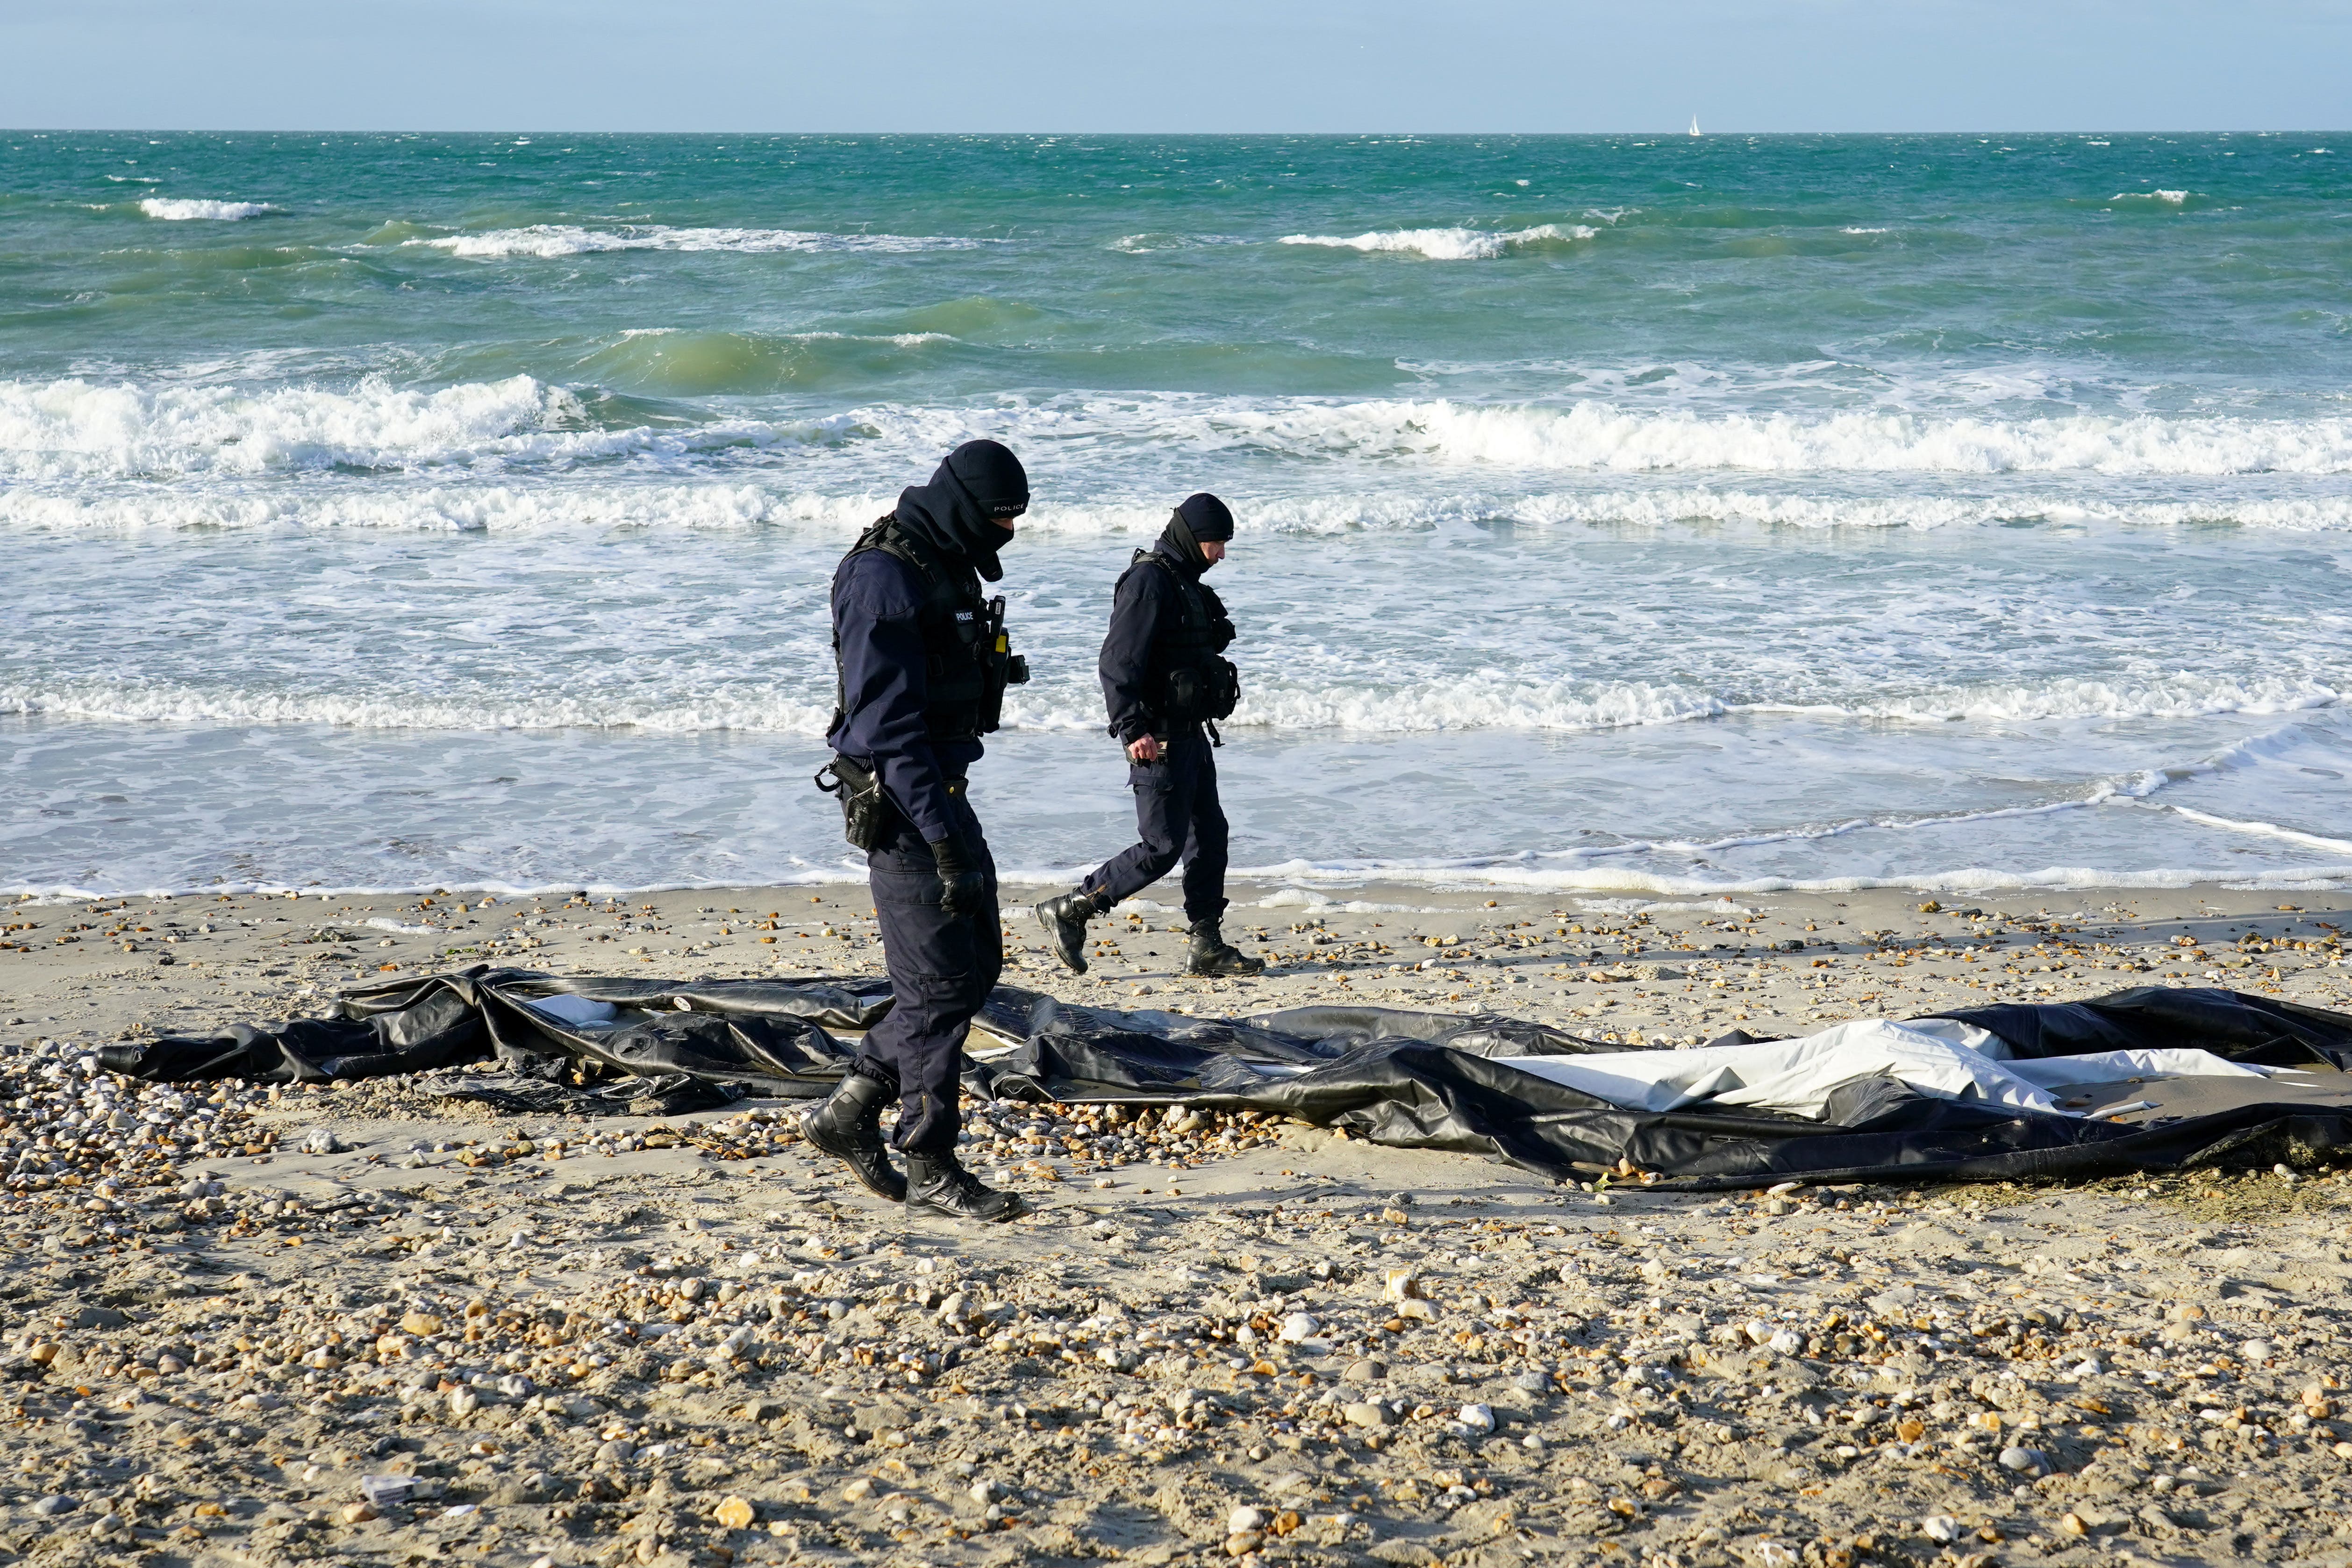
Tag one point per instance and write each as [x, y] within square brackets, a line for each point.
[1202, 519]
[976, 489]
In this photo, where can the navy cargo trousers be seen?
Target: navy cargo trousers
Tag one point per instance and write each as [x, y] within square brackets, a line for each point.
[942, 968]
[1178, 817]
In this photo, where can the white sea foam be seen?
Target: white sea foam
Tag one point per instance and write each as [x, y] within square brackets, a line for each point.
[1603, 437]
[555, 511]
[82, 428]
[74, 428]
[2172, 198]
[552, 240]
[1655, 884]
[1311, 901]
[1449, 244]
[1470, 702]
[1674, 890]
[1490, 701]
[168, 702]
[582, 507]
[177, 209]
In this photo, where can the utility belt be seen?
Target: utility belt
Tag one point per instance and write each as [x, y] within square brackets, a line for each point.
[867, 812]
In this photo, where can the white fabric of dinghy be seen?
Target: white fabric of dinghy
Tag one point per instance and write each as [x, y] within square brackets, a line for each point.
[580, 1011]
[1935, 1056]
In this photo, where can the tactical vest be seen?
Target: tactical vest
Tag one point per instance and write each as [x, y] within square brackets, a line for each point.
[1188, 682]
[967, 657]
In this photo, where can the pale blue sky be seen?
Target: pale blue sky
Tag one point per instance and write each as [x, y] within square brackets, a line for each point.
[1215, 65]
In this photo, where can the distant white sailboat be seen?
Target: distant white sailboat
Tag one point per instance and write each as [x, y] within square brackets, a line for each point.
[1694, 131]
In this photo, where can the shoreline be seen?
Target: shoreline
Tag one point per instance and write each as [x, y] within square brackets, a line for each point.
[1333, 884]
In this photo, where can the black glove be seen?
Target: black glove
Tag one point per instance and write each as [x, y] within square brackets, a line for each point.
[963, 886]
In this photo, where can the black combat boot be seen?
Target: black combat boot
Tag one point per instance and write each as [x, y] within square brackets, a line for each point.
[937, 1184]
[849, 1125]
[1212, 955]
[1066, 918]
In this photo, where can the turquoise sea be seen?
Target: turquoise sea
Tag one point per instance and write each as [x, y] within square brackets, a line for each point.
[1625, 516]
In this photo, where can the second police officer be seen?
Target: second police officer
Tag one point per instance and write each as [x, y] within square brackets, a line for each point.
[923, 662]
[1166, 684]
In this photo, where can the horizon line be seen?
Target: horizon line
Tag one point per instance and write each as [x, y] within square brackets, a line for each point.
[1682, 135]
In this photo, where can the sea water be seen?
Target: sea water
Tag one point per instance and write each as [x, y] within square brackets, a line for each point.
[1618, 515]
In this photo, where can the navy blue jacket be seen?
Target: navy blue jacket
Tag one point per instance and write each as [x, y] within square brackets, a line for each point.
[1146, 597]
[875, 597]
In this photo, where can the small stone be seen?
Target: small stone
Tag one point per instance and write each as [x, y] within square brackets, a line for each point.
[1366, 1415]
[55, 1503]
[1242, 1545]
[464, 1402]
[1942, 1527]
[1243, 1519]
[420, 1325]
[859, 1490]
[1366, 1371]
[1400, 1285]
[617, 1452]
[1299, 1326]
[1477, 1417]
[1531, 1383]
[735, 1513]
[2072, 1523]
[358, 1513]
[2020, 1458]
[321, 1141]
[2257, 1350]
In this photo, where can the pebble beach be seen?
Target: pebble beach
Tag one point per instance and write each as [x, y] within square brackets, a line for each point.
[360, 1322]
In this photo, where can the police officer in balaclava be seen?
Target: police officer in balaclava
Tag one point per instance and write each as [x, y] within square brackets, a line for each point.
[1166, 684]
[923, 663]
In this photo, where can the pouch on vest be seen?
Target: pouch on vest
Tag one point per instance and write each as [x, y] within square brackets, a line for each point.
[865, 811]
[1211, 692]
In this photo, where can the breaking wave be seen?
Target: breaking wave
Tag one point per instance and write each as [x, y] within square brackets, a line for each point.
[579, 507]
[552, 240]
[66, 429]
[79, 429]
[1449, 244]
[1604, 437]
[174, 209]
